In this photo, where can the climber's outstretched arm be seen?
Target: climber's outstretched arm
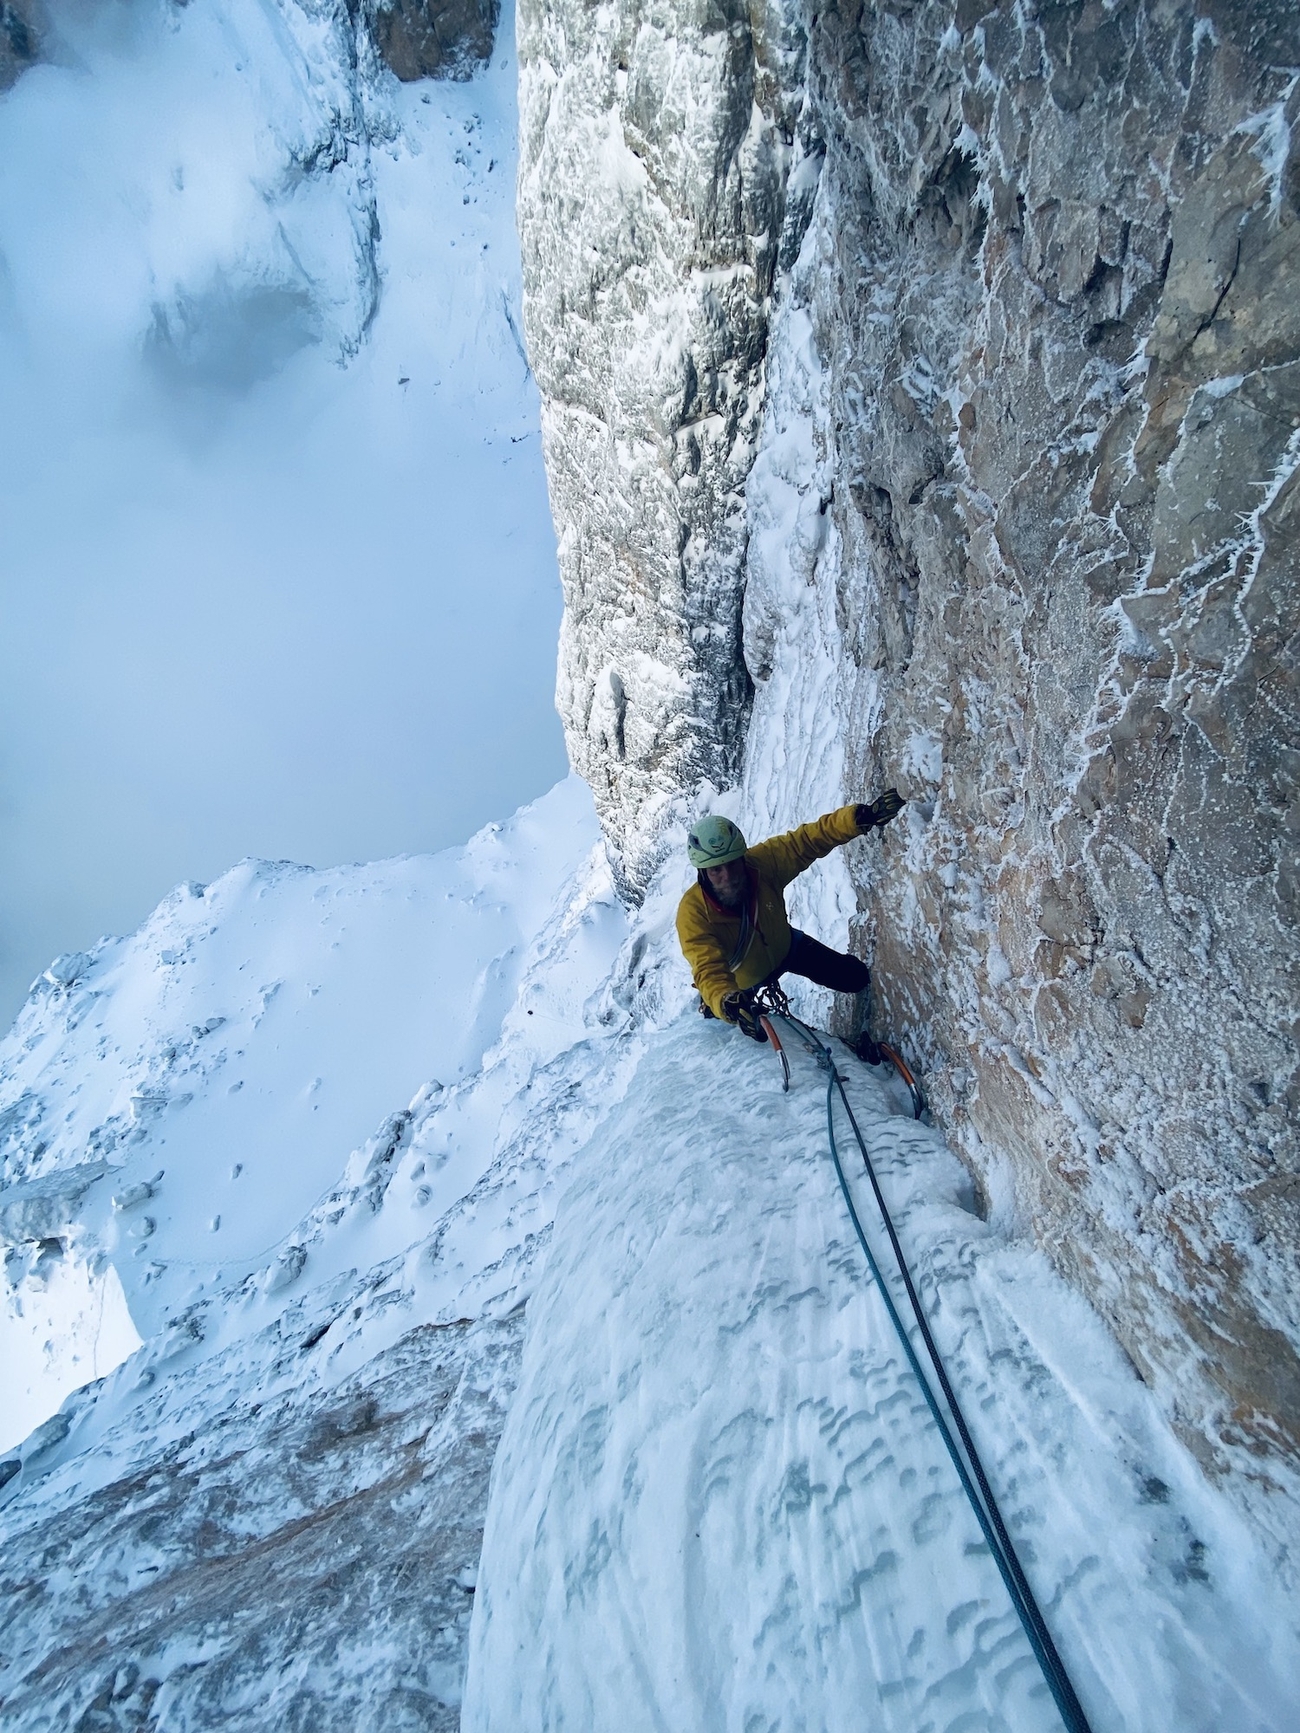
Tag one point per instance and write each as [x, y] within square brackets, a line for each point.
[782, 858]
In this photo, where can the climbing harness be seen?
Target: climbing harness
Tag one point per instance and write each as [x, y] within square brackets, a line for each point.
[970, 1469]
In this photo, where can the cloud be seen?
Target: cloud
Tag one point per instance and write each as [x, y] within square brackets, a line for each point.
[278, 572]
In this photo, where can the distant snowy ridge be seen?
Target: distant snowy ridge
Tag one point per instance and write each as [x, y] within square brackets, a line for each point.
[361, 1339]
[176, 1110]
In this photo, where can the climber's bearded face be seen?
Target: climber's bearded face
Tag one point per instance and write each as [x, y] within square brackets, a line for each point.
[728, 883]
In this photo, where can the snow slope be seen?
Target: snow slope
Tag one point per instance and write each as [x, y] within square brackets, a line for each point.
[173, 1105]
[717, 1500]
[270, 1514]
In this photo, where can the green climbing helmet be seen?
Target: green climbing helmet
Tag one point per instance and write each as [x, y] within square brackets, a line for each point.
[713, 842]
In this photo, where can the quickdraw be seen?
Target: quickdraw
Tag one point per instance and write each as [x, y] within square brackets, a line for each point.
[900, 1065]
[770, 1001]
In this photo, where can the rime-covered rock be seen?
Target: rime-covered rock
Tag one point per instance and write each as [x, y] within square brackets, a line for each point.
[1020, 536]
[664, 168]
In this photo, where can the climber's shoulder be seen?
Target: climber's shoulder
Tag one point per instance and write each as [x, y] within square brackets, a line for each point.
[692, 910]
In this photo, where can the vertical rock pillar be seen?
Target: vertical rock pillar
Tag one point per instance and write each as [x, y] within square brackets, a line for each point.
[657, 149]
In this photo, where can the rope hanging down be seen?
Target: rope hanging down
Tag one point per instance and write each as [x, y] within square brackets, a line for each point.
[973, 1476]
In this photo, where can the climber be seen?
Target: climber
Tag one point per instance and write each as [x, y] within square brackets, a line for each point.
[733, 927]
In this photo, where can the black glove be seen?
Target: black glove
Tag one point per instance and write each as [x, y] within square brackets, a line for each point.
[890, 804]
[738, 1008]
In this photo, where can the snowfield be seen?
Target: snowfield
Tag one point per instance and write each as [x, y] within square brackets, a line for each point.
[717, 1500]
[193, 1092]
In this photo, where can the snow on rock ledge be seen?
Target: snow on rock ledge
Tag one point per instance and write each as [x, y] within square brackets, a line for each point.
[719, 1499]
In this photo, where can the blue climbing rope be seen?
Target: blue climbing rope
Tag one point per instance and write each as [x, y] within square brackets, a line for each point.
[982, 1502]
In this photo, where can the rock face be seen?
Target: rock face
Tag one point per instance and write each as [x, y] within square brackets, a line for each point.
[433, 38]
[19, 39]
[663, 182]
[1022, 523]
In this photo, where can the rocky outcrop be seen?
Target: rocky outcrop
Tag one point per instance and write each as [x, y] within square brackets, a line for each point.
[19, 39]
[433, 38]
[303, 1559]
[1023, 521]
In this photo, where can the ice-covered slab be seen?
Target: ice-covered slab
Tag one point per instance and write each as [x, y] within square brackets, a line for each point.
[719, 1501]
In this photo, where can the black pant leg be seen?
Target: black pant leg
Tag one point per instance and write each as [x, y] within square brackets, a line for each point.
[817, 962]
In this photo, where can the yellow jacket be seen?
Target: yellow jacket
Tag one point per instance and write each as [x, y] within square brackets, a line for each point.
[713, 939]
